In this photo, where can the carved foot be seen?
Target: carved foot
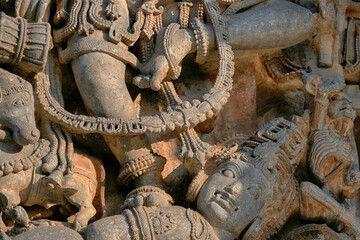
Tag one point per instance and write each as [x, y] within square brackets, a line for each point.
[83, 217]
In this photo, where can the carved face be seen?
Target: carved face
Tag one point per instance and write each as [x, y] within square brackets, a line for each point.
[341, 114]
[17, 114]
[340, 106]
[233, 196]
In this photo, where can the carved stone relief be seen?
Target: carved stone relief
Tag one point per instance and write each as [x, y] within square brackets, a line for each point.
[203, 119]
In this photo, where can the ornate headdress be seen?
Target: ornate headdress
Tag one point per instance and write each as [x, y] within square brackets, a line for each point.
[276, 149]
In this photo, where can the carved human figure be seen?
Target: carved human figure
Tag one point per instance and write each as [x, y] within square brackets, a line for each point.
[95, 40]
[251, 193]
[332, 157]
[235, 185]
[340, 173]
[292, 25]
[99, 63]
[100, 77]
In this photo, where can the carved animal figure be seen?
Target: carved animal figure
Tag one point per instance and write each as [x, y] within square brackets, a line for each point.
[17, 109]
[22, 180]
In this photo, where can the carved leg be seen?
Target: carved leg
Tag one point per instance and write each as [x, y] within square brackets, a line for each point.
[270, 25]
[38, 212]
[82, 199]
[18, 214]
[9, 201]
[83, 216]
[101, 82]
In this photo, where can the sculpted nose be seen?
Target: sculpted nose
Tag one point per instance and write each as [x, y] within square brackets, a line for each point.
[234, 189]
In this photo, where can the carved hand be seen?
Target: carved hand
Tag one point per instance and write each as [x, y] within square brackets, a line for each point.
[154, 74]
[31, 9]
[172, 45]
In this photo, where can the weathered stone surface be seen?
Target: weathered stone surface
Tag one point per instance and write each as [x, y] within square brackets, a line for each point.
[51, 232]
[137, 119]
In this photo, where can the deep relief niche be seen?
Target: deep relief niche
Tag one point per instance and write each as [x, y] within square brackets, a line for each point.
[198, 119]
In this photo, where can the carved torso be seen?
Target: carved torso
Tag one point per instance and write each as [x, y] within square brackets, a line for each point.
[143, 223]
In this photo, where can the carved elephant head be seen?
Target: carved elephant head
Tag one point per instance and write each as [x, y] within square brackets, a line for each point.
[17, 111]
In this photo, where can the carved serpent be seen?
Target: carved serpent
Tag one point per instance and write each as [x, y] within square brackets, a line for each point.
[183, 117]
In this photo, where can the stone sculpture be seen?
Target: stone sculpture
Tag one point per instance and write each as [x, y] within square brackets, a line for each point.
[251, 193]
[84, 83]
[314, 230]
[22, 179]
[201, 38]
[332, 124]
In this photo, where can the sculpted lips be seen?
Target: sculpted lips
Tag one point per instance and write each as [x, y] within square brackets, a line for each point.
[224, 200]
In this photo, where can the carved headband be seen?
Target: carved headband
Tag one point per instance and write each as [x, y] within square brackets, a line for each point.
[279, 133]
[7, 88]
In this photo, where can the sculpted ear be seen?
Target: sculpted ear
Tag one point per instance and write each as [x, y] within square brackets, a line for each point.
[0, 95]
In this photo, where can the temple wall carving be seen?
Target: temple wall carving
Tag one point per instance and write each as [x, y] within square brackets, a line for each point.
[189, 119]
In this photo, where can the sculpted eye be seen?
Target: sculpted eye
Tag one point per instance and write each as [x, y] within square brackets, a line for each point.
[19, 102]
[228, 173]
[254, 191]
